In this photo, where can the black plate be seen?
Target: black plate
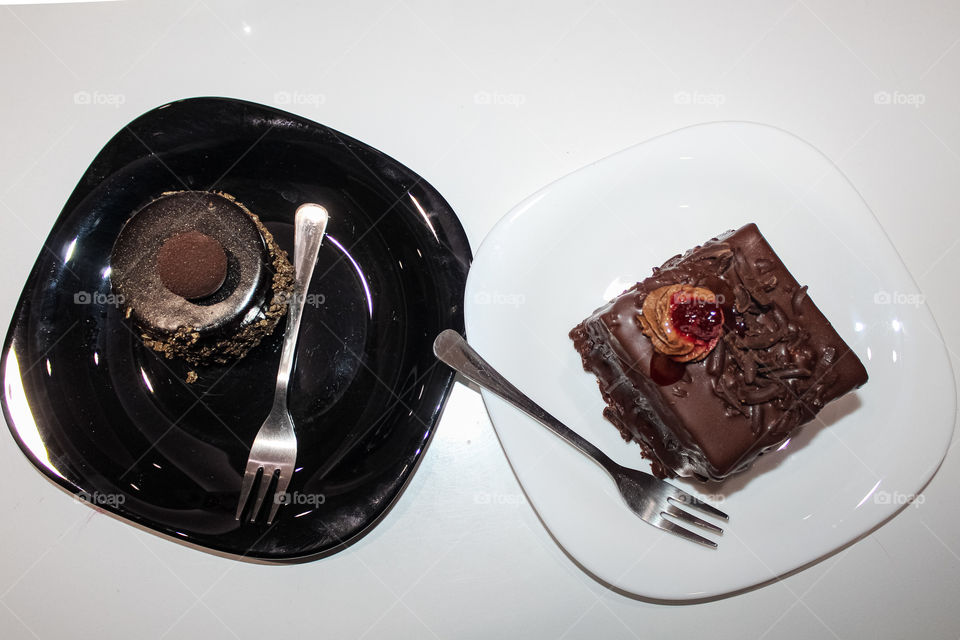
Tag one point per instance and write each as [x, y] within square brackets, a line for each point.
[116, 424]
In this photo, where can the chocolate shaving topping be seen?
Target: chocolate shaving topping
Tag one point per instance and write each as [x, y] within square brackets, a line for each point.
[741, 298]
[757, 395]
[748, 278]
[795, 372]
[725, 386]
[716, 360]
[797, 299]
[756, 418]
[767, 360]
[767, 321]
[779, 316]
[763, 265]
[763, 340]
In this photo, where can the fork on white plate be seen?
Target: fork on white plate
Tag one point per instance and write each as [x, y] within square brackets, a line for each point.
[647, 496]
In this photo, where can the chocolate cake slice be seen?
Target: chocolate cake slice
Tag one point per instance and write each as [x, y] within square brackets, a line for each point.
[717, 357]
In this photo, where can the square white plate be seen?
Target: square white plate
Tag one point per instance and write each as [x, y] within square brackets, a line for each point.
[585, 238]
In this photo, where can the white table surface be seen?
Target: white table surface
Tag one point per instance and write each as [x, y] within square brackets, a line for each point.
[488, 101]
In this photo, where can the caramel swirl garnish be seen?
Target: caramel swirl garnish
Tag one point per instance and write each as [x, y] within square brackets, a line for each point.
[657, 322]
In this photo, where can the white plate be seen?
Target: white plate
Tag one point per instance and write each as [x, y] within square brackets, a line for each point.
[565, 250]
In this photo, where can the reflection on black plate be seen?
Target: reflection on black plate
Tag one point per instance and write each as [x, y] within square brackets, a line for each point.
[114, 422]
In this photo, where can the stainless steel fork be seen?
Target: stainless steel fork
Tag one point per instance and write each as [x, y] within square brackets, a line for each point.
[274, 450]
[650, 498]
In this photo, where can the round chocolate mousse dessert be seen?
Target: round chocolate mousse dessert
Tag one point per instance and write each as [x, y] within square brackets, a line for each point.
[200, 276]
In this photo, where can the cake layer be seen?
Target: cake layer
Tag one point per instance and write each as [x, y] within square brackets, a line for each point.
[777, 362]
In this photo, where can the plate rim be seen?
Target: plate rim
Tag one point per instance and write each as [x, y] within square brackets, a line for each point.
[494, 405]
[456, 244]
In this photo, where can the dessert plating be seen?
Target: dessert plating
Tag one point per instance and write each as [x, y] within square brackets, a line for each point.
[716, 358]
[200, 276]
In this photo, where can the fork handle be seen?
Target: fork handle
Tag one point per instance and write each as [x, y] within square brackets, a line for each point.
[310, 225]
[451, 348]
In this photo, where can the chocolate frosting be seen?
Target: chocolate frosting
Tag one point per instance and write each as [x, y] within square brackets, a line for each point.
[778, 362]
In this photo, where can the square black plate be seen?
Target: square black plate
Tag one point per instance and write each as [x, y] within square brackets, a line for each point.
[116, 424]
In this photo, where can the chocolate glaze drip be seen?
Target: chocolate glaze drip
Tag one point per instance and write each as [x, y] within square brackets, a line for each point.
[778, 363]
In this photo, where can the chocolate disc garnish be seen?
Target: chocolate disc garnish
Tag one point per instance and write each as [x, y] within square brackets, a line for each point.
[192, 265]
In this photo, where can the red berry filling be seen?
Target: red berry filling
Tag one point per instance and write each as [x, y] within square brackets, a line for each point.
[696, 318]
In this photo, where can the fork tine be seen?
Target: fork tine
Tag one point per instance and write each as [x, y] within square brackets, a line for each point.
[248, 478]
[282, 483]
[680, 514]
[676, 529]
[265, 482]
[682, 497]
